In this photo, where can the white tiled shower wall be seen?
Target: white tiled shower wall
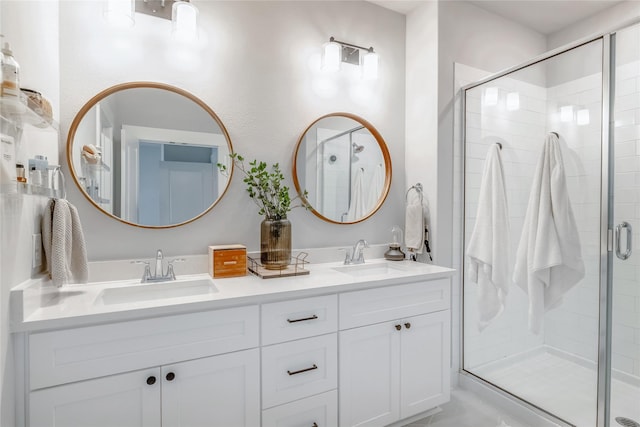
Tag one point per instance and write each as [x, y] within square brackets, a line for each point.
[626, 274]
[573, 327]
[519, 132]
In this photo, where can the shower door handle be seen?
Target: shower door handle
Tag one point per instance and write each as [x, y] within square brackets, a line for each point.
[627, 252]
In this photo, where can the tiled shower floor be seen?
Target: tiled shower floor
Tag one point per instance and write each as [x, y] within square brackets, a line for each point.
[561, 386]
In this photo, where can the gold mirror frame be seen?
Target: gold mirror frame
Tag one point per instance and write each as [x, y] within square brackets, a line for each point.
[385, 154]
[136, 85]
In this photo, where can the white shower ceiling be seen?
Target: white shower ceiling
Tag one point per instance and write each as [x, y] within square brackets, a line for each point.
[543, 16]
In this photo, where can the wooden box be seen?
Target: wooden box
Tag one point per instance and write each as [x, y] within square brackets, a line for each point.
[227, 261]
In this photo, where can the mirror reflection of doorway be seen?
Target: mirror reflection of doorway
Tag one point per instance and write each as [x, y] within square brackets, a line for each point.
[176, 182]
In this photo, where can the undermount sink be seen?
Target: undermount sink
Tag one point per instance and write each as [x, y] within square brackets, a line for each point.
[374, 269]
[156, 291]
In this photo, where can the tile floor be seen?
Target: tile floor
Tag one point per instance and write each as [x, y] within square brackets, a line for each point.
[561, 386]
[467, 409]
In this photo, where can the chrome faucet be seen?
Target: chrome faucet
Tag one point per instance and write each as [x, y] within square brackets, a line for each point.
[357, 254]
[158, 275]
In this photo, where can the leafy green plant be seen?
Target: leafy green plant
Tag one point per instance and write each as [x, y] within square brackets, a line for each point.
[266, 189]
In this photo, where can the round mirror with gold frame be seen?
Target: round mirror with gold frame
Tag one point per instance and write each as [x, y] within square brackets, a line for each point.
[146, 154]
[342, 163]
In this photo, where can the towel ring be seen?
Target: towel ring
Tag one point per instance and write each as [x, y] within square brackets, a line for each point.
[418, 189]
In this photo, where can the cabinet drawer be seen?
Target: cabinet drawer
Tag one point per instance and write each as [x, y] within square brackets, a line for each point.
[298, 369]
[76, 354]
[370, 306]
[301, 318]
[320, 410]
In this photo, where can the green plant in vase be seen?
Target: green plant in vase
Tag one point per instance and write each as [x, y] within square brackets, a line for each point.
[266, 188]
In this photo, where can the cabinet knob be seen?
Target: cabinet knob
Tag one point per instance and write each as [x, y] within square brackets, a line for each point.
[170, 376]
[151, 380]
[407, 325]
[398, 327]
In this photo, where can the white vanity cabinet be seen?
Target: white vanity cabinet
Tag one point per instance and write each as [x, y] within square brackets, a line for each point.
[393, 364]
[187, 370]
[375, 355]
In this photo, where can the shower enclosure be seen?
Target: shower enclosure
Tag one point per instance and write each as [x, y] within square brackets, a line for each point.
[582, 367]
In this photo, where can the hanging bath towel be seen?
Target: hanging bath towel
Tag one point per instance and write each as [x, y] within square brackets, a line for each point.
[414, 222]
[357, 204]
[375, 187]
[489, 246]
[63, 242]
[548, 260]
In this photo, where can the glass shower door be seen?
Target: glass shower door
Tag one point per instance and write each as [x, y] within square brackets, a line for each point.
[625, 265]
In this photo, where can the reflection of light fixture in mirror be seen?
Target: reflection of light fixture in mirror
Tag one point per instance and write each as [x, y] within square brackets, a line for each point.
[582, 117]
[490, 96]
[513, 101]
[184, 21]
[119, 12]
[335, 52]
[566, 113]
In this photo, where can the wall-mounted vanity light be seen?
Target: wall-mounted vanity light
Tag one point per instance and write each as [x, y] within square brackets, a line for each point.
[566, 113]
[335, 52]
[582, 117]
[513, 101]
[182, 13]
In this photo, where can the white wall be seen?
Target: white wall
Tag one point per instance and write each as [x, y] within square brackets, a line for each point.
[257, 67]
[422, 105]
[31, 28]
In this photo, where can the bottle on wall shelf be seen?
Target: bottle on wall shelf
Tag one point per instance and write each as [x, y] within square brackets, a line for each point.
[10, 87]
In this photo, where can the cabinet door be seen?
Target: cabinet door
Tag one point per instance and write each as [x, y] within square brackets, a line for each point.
[425, 350]
[214, 391]
[370, 375]
[126, 400]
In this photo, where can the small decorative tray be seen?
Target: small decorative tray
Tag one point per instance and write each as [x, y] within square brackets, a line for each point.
[296, 268]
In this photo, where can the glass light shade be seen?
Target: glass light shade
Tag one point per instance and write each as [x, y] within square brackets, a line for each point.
[513, 101]
[582, 117]
[370, 66]
[184, 21]
[332, 52]
[490, 96]
[119, 13]
[396, 235]
[566, 113]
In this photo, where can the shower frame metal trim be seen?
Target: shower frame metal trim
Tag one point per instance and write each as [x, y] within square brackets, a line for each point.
[604, 326]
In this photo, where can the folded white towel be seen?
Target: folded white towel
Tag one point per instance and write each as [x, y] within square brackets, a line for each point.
[63, 242]
[489, 247]
[414, 223]
[357, 204]
[549, 260]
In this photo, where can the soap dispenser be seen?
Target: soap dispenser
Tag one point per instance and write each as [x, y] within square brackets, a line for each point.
[394, 253]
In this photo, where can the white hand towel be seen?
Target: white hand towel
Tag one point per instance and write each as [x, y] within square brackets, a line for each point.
[414, 223]
[548, 260]
[63, 242]
[489, 247]
[357, 204]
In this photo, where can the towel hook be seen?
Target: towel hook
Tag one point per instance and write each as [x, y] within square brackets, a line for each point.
[556, 134]
[499, 144]
[418, 188]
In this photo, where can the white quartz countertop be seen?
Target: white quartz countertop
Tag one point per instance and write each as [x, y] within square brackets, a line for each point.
[36, 305]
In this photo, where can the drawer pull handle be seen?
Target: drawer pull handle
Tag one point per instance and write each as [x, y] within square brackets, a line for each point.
[230, 262]
[407, 325]
[170, 376]
[314, 317]
[151, 380]
[303, 370]
[398, 327]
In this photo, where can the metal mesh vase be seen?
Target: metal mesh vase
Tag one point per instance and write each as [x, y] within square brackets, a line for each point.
[275, 243]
